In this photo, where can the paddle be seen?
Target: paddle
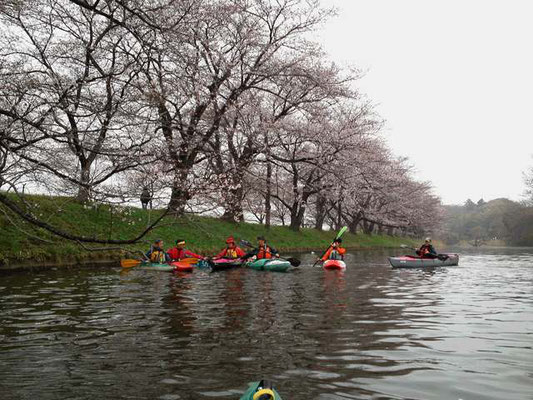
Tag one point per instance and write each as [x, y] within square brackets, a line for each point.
[190, 260]
[341, 232]
[294, 261]
[129, 263]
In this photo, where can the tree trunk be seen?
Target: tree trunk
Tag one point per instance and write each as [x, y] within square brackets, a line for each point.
[368, 227]
[268, 194]
[233, 198]
[180, 193]
[84, 192]
[338, 221]
[297, 216]
[352, 226]
[320, 215]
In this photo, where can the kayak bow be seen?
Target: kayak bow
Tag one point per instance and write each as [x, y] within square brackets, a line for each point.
[334, 264]
[261, 391]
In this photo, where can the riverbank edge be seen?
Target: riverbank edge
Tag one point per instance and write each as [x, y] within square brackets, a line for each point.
[102, 261]
[24, 246]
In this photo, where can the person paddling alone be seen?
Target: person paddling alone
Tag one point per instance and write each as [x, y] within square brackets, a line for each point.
[179, 252]
[262, 251]
[427, 250]
[335, 251]
[231, 251]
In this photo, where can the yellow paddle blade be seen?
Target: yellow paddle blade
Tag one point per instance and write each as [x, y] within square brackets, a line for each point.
[129, 263]
[189, 260]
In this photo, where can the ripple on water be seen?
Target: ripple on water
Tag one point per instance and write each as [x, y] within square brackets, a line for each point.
[368, 333]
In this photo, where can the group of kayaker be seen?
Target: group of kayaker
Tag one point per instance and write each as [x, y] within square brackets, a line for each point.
[157, 254]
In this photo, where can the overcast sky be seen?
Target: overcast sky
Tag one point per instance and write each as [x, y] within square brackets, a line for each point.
[454, 82]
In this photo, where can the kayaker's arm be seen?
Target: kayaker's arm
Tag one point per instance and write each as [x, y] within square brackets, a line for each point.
[190, 254]
[250, 254]
[326, 254]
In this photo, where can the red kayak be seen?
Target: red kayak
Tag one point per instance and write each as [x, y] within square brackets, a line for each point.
[182, 267]
[334, 264]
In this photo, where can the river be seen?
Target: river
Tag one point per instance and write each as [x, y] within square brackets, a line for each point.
[371, 332]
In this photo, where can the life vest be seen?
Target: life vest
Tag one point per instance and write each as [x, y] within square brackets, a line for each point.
[424, 250]
[335, 255]
[264, 252]
[158, 256]
[231, 253]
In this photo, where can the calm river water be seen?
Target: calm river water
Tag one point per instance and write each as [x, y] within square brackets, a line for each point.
[371, 332]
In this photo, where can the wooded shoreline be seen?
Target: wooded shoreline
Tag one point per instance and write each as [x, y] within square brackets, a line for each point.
[23, 246]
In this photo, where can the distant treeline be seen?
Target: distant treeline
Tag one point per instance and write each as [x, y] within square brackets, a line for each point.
[497, 220]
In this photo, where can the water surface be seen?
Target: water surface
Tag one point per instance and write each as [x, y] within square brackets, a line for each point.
[370, 332]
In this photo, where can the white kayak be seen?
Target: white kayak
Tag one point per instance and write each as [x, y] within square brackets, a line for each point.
[444, 260]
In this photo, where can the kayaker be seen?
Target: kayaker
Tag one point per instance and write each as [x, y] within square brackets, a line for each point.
[427, 250]
[179, 252]
[335, 251]
[157, 254]
[232, 251]
[263, 250]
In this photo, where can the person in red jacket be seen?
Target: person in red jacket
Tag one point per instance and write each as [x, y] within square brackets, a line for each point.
[178, 252]
[231, 251]
[335, 251]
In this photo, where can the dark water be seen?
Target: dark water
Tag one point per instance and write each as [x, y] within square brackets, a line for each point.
[369, 333]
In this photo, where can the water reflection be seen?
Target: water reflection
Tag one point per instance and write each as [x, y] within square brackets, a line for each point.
[367, 332]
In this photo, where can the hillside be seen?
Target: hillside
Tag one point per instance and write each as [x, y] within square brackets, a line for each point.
[21, 242]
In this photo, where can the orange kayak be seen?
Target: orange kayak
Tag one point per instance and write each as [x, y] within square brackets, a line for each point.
[182, 267]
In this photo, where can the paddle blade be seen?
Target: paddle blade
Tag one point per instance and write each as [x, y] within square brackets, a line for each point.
[189, 260]
[341, 232]
[129, 263]
[245, 243]
[294, 261]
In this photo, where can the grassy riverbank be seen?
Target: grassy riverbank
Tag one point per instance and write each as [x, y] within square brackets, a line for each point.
[21, 242]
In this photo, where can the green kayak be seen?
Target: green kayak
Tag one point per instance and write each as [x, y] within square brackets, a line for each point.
[261, 391]
[156, 267]
[269, 264]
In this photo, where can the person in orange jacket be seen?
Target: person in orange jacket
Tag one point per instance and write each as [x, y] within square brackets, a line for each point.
[231, 251]
[263, 250]
[335, 251]
[178, 252]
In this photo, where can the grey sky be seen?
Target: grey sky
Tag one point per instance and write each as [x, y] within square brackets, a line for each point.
[454, 81]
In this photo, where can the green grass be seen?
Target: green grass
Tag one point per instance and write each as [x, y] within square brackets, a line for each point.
[21, 242]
